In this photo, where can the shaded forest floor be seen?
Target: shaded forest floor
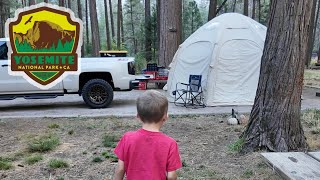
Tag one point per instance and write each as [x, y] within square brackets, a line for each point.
[207, 144]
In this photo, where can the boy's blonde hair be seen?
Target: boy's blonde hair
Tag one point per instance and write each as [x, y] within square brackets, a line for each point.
[152, 106]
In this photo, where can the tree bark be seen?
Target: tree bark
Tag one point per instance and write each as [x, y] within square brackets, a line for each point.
[61, 3]
[132, 28]
[148, 31]
[107, 25]
[95, 37]
[318, 61]
[81, 17]
[119, 25]
[275, 117]
[253, 9]
[121, 20]
[69, 4]
[259, 4]
[311, 37]
[2, 19]
[87, 27]
[314, 33]
[220, 7]
[32, 2]
[212, 9]
[46, 1]
[170, 30]
[158, 29]
[234, 5]
[111, 19]
[246, 7]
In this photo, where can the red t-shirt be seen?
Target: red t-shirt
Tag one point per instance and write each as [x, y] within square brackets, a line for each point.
[148, 155]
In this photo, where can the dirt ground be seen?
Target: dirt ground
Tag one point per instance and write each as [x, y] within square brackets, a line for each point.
[203, 142]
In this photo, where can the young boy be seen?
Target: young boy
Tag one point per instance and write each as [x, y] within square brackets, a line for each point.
[148, 154]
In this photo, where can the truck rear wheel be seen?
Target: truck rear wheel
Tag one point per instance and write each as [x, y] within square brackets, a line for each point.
[97, 93]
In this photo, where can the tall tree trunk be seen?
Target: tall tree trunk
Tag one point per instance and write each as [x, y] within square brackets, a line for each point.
[95, 35]
[111, 19]
[69, 4]
[32, 2]
[148, 31]
[246, 7]
[212, 9]
[87, 27]
[2, 19]
[220, 7]
[192, 19]
[46, 1]
[253, 9]
[61, 3]
[234, 5]
[312, 31]
[158, 29]
[170, 30]
[318, 61]
[275, 117]
[119, 25]
[107, 25]
[81, 17]
[132, 29]
[259, 4]
[121, 20]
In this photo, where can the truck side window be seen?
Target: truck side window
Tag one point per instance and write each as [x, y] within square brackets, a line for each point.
[3, 51]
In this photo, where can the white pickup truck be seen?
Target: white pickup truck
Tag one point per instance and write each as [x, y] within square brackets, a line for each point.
[98, 79]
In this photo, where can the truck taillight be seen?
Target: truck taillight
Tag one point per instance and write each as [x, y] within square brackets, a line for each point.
[131, 68]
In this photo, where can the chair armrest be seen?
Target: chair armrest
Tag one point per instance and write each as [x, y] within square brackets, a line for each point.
[183, 84]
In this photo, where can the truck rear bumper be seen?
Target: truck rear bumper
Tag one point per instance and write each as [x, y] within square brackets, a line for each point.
[134, 84]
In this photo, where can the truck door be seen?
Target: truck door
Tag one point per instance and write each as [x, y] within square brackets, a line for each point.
[7, 82]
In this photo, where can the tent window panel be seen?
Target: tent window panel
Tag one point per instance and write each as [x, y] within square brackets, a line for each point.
[196, 52]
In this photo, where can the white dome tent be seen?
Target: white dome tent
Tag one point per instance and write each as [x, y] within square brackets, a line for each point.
[227, 52]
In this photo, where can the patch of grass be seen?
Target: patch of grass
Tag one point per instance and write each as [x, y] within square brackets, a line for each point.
[58, 163]
[43, 143]
[84, 152]
[184, 164]
[313, 142]
[53, 126]
[109, 141]
[97, 159]
[110, 156]
[247, 173]
[211, 173]
[60, 178]
[236, 146]
[311, 117]
[34, 158]
[5, 164]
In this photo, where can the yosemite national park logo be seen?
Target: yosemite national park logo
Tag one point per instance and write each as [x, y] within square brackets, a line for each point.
[45, 43]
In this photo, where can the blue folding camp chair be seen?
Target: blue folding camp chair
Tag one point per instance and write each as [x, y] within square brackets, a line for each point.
[191, 95]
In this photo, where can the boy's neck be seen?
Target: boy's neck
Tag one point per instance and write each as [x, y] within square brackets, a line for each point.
[154, 127]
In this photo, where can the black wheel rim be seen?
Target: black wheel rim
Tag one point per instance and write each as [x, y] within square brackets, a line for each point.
[98, 94]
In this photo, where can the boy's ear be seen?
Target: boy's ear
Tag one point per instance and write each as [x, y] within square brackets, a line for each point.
[165, 117]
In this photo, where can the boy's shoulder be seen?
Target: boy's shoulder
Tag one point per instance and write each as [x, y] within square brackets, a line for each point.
[142, 132]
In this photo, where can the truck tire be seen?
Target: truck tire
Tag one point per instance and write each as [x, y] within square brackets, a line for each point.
[97, 93]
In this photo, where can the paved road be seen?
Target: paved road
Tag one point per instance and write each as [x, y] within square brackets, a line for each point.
[123, 105]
